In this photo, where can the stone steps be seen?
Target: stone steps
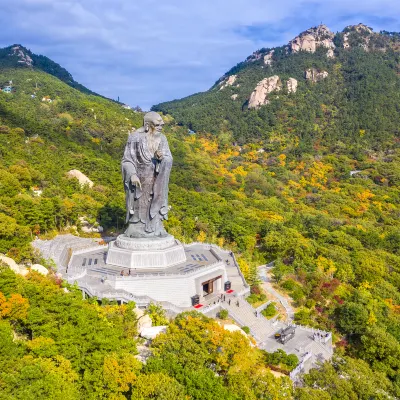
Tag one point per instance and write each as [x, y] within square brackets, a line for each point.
[245, 315]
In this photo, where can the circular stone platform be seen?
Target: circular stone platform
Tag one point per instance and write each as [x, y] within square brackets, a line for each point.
[155, 243]
[145, 253]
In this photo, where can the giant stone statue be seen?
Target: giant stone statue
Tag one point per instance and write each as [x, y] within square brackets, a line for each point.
[146, 166]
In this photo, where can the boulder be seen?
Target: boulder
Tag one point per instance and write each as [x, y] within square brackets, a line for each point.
[292, 85]
[259, 96]
[82, 178]
[144, 321]
[228, 82]
[234, 96]
[40, 268]
[151, 333]
[87, 227]
[313, 75]
[312, 38]
[18, 269]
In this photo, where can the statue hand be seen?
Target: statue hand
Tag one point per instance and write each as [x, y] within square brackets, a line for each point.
[135, 181]
[159, 155]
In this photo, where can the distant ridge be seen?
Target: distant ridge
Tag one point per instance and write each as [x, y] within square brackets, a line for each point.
[18, 56]
[353, 76]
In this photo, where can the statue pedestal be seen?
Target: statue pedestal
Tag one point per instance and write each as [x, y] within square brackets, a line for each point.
[145, 253]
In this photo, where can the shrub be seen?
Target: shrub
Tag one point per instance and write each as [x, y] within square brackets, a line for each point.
[269, 311]
[252, 298]
[255, 289]
[246, 329]
[223, 314]
[290, 284]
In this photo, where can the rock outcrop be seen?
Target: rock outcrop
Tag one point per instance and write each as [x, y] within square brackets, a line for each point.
[18, 269]
[312, 38]
[313, 75]
[143, 320]
[291, 85]
[363, 36]
[259, 96]
[228, 82]
[268, 58]
[82, 178]
[87, 227]
[24, 59]
[330, 53]
[255, 56]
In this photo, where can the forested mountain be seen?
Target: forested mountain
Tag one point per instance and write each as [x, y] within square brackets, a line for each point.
[17, 56]
[345, 88]
[312, 184]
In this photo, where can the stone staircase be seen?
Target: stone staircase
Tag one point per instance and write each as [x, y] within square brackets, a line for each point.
[245, 315]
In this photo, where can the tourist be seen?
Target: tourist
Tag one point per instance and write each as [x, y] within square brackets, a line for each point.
[229, 301]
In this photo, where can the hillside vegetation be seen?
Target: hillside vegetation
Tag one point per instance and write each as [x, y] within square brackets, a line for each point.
[313, 186]
[19, 56]
[356, 104]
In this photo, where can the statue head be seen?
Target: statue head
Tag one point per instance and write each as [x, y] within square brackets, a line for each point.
[153, 122]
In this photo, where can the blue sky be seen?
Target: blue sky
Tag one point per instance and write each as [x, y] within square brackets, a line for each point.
[151, 51]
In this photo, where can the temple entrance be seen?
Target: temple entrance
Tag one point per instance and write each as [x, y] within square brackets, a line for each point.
[211, 285]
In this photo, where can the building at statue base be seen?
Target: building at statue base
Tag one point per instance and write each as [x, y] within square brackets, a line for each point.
[158, 270]
[200, 274]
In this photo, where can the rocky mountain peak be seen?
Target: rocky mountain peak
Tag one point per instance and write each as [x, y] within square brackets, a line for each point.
[21, 53]
[312, 38]
[359, 28]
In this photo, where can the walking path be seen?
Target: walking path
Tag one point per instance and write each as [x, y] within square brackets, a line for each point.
[264, 272]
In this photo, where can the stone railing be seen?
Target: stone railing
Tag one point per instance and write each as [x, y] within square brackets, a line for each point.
[294, 373]
[89, 247]
[243, 292]
[240, 272]
[160, 274]
[263, 306]
[122, 295]
[313, 330]
[77, 273]
[209, 308]
[212, 246]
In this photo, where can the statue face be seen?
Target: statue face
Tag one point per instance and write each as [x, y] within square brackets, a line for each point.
[153, 122]
[157, 124]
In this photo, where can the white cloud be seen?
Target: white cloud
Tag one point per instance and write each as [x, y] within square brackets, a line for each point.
[151, 51]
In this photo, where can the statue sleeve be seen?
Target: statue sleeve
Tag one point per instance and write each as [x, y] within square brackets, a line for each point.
[165, 147]
[128, 163]
[160, 187]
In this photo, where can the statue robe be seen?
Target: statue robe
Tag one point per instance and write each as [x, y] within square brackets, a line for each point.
[146, 207]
